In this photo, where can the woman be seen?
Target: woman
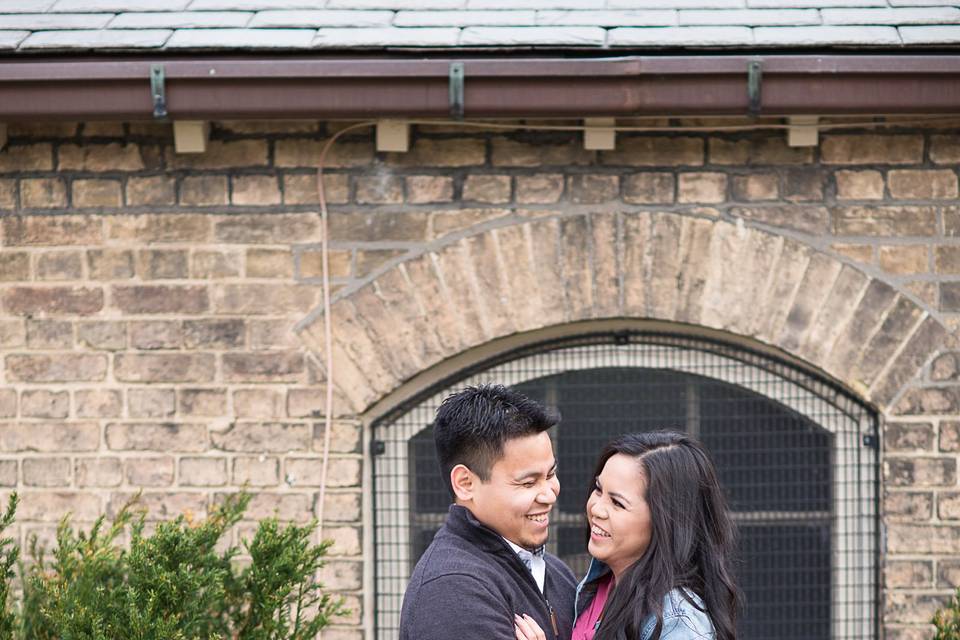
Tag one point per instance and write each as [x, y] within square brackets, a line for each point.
[661, 540]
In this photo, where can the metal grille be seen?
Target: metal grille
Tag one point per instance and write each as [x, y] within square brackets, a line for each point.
[797, 458]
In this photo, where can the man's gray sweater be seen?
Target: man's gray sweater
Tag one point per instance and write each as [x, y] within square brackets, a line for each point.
[470, 583]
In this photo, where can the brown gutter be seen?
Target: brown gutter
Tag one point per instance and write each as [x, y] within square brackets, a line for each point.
[323, 88]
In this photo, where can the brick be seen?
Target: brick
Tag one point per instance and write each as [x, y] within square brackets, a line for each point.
[43, 193]
[12, 333]
[369, 260]
[258, 403]
[906, 436]
[655, 151]
[269, 263]
[45, 437]
[267, 228]
[373, 227]
[260, 299]
[255, 190]
[342, 574]
[49, 334]
[8, 403]
[308, 472]
[263, 367]
[96, 193]
[924, 185]
[46, 472]
[904, 259]
[44, 404]
[59, 265]
[149, 472]
[306, 153]
[302, 189]
[151, 191]
[150, 299]
[592, 188]
[379, 189]
[945, 367]
[222, 155]
[53, 300]
[203, 472]
[920, 472]
[98, 472]
[950, 296]
[8, 195]
[166, 367]
[98, 403]
[105, 335]
[342, 506]
[52, 230]
[807, 218]
[344, 437]
[8, 473]
[214, 264]
[908, 573]
[948, 505]
[429, 189]
[162, 227]
[311, 264]
[203, 402]
[26, 157]
[110, 264]
[908, 506]
[947, 260]
[757, 150]
[928, 337]
[859, 185]
[162, 264]
[912, 608]
[162, 506]
[347, 541]
[933, 400]
[543, 188]
[702, 187]
[269, 437]
[885, 220]
[14, 265]
[165, 437]
[100, 157]
[488, 189]
[871, 149]
[287, 507]
[426, 152]
[46, 506]
[203, 191]
[757, 186]
[60, 367]
[217, 334]
[155, 334]
[257, 472]
[151, 403]
[945, 149]
[518, 153]
[949, 436]
[803, 184]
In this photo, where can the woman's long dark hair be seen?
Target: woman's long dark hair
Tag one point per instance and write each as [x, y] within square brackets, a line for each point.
[691, 543]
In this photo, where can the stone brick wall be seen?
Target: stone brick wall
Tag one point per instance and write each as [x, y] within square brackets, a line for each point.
[160, 312]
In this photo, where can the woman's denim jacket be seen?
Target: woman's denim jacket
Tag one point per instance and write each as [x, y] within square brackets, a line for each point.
[681, 619]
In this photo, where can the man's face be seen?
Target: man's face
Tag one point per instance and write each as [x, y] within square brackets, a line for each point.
[517, 499]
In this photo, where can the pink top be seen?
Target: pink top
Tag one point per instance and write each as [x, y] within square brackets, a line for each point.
[587, 622]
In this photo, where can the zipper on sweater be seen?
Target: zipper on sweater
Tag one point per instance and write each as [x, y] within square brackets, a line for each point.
[553, 618]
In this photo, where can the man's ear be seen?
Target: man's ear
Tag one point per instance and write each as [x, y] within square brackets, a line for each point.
[463, 481]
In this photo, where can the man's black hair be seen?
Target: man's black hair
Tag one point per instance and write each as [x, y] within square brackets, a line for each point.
[473, 425]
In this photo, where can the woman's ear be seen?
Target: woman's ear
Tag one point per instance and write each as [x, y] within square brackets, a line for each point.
[462, 480]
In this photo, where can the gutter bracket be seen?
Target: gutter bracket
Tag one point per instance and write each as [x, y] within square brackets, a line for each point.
[158, 91]
[456, 90]
[754, 86]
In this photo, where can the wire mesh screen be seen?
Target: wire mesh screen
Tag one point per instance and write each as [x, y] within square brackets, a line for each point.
[796, 456]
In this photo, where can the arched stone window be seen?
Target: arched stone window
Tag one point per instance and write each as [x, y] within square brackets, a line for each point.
[797, 457]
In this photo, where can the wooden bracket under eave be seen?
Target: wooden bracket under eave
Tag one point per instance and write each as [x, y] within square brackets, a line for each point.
[599, 134]
[190, 136]
[803, 131]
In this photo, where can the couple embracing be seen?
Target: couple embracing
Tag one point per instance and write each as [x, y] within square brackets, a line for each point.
[660, 536]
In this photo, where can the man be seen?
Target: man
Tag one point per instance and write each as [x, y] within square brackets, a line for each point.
[487, 564]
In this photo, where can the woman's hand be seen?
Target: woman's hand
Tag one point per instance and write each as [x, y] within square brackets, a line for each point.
[527, 628]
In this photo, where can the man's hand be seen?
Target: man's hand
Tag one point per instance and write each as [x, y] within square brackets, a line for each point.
[527, 628]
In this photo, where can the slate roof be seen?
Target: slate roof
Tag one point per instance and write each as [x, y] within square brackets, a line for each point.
[41, 26]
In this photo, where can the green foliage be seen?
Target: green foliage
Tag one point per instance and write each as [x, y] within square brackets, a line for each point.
[947, 620]
[182, 582]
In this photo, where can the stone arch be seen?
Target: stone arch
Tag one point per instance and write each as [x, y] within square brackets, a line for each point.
[658, 266]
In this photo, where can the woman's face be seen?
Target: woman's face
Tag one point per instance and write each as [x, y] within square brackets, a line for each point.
[620, 526]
